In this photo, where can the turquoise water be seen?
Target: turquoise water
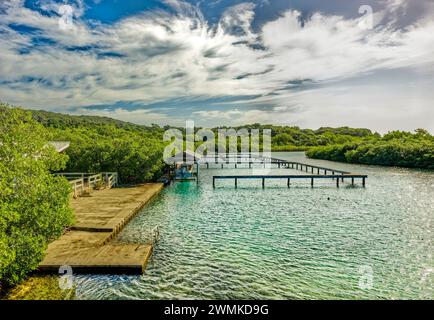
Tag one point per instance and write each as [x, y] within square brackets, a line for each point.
[279, 243]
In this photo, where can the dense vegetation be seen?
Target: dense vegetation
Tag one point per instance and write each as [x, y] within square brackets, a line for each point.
[397, 148]
[284, 138]
[34, 204]
[100, 144]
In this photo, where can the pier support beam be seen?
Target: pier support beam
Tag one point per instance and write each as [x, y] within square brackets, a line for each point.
[263, 183]
[236, 183]
[337, 183]
[289, 182]
[311, 182]
[363, 182]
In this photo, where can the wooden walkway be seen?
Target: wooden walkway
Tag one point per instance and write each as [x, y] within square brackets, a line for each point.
[99, 218]
[313, 172]
[312, 178]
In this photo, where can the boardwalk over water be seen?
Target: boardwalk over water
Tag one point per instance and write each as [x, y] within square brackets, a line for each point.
[313, 172]
[99, 218]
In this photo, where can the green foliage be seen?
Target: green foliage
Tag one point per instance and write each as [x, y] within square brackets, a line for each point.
[397, 148]
[285, 138]
[137, 155]
[34, 204]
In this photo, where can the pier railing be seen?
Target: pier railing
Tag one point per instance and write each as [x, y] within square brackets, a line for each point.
[82, 182]
[313, 172]
[77, 186]
[289, 177]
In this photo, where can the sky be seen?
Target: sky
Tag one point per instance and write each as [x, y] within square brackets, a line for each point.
[306, 63]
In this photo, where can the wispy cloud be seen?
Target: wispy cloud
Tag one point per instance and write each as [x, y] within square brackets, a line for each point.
[157, 56]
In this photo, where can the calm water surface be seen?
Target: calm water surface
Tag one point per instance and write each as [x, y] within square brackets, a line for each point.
[280, 243]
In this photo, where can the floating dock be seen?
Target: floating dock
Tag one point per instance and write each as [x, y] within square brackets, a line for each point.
[87, 247]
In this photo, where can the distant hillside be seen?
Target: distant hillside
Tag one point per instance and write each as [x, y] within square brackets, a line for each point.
[61, 120]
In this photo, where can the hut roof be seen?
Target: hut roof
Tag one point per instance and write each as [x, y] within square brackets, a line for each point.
[60, 146]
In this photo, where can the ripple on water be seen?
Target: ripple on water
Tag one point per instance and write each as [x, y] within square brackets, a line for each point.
[279, 243]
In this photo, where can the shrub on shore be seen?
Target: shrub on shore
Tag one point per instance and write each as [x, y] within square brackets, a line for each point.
[403, 149]
[34, 204]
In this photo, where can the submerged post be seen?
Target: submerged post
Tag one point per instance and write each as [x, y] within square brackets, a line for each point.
[263, 183]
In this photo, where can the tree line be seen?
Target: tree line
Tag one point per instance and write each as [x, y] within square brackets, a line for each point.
[397, 148]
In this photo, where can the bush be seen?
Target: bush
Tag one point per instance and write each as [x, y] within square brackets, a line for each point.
[397, 148]
[34, 204]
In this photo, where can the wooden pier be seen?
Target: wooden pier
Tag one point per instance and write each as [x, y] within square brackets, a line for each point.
[288, 178]
[313, 172]
[88, 246]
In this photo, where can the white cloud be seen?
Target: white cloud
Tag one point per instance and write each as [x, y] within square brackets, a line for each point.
[157, 56]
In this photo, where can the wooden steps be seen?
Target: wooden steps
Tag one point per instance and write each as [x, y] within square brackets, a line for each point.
[99, 218]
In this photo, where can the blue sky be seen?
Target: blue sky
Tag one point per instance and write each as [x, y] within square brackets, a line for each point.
[308, 63]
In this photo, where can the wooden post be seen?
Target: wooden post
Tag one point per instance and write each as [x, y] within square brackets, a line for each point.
[318, 171]
[236, 183]
[311, 182]
[342, 177]
[312, 170]
[207, 165]
[222, 165]
[289, 182]
[235, 165]
[213, 182]
[337, 183]
[325, 172]
[352, 181]
[263, 183]
[363, 182]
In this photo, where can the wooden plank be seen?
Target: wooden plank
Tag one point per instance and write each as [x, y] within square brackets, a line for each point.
[307, 176]
[99, 218]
